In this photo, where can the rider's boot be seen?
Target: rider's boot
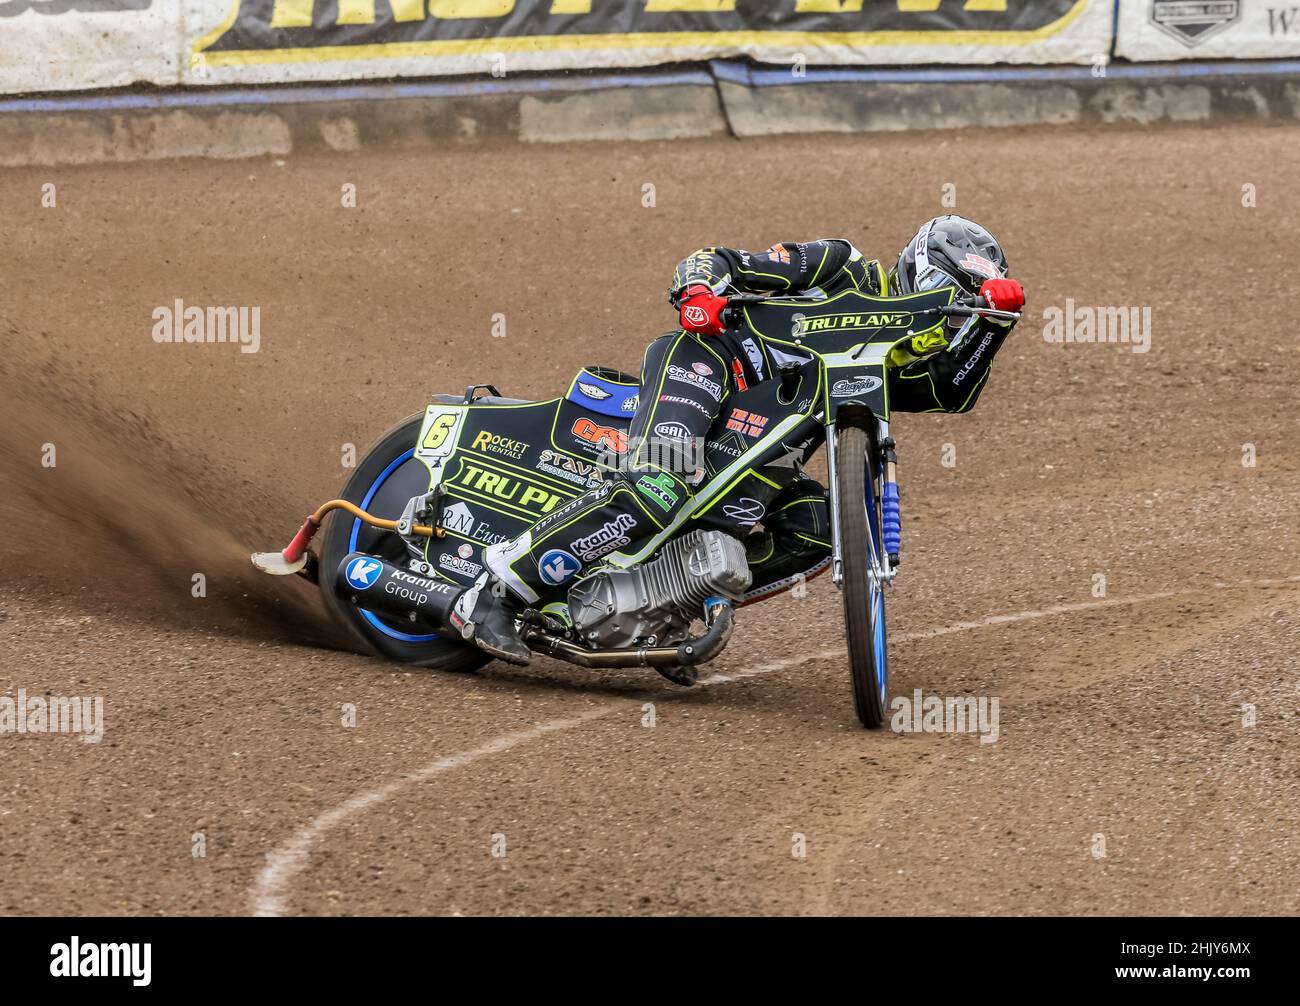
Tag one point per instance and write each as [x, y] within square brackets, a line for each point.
[486, 615]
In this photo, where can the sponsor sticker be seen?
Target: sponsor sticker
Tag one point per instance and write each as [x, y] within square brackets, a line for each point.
[974, 359]
[594, 391]
[703, 369]
[745, 510]
[460, 519]
[730, 445]
[749, 423]
[475, 477]
[980, 265]
[558, 566]
[562, 466]
[723, 451]
[493, 443]
[863, 384]
[672, 431]
[712, 388]
[854, 322]
[695, 315]
[483, 532]
[458, 564]
[682, 400]
[420, 581]
[560, 514]
[362, 572]
[604, 540]
[609, 438]
[659, 490]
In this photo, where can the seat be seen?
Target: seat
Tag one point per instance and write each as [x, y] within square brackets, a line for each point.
[606, 391]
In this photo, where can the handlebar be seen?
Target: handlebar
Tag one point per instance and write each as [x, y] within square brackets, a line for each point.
[738, 300]
[980, 307]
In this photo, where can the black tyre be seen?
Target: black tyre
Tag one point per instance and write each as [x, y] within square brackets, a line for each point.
[386, 478]
[857, 462]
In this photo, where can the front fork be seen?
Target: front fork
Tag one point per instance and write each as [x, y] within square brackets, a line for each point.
[884, 567]
[891, 520]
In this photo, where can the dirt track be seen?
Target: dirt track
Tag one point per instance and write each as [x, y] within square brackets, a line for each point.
[1120, 716]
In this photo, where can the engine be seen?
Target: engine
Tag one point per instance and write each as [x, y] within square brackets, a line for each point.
[655, 603]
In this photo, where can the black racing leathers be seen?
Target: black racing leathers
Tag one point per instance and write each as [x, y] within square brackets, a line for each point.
[950, 380]
[684, 381]
[818, 268]
[946, 379]
[794, 543]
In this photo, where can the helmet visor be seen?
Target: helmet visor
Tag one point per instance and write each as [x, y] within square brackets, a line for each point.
[933, 278]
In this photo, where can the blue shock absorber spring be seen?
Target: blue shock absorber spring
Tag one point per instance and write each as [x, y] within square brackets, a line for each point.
[892, 520]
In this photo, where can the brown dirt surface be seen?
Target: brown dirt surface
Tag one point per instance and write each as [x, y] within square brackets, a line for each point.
[1124, 779]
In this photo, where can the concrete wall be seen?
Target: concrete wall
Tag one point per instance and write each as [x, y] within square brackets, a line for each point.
[243, 123]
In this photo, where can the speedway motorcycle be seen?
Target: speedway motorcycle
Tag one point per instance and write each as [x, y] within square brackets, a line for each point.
[472, 470]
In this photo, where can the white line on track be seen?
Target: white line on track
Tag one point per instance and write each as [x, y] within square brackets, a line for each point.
[287, 860]
[269, 893]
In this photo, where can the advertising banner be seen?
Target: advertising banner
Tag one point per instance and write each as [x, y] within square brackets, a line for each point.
[59, 45]
[1207, 29]
[272, 40]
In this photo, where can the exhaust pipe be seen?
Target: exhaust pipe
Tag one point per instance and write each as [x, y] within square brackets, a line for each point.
[376, 585]
[688, 655]
[562, 649]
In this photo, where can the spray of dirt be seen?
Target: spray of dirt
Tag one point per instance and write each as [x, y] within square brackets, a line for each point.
[100, 510]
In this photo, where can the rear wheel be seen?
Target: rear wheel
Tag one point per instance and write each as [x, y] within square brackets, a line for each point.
[386, 478]
[857, 461]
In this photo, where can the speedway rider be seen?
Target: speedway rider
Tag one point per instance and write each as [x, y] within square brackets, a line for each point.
[687, 375]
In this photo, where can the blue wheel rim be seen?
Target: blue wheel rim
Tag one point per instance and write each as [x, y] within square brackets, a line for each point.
[370, 616]
[877, 591]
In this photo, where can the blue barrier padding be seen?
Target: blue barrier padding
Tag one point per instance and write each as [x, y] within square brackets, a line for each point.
[730, 71]
[753, 76]
[297, 93]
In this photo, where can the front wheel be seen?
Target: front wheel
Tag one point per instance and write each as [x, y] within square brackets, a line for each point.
[858, 489]
[386, 478]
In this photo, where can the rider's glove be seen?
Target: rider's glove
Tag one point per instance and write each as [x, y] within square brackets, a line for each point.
[701, 310]
[1003, 294]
